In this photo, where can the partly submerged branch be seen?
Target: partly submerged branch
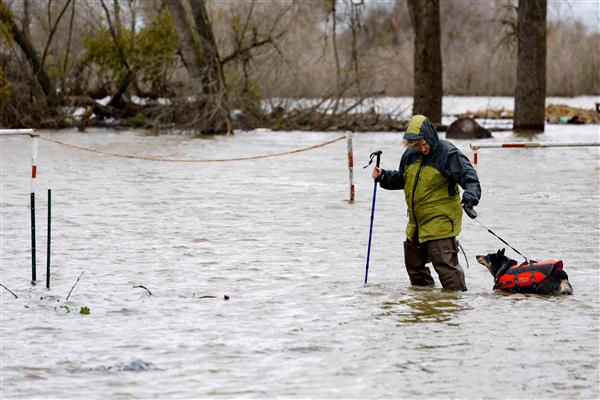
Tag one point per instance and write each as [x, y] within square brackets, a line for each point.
[9, 291]
[75, 284]
[143, 287]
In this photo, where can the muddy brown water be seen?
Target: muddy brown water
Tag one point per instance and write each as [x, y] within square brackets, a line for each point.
[280, 238]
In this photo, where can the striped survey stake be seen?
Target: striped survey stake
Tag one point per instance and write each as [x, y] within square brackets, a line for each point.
[34, 155]
[516, 145]
[34, 148]
[350, 163]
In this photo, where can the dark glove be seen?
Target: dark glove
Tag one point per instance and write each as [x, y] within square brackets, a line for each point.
[468, 207]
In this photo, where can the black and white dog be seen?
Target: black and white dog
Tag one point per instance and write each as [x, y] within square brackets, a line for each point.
[541, 277]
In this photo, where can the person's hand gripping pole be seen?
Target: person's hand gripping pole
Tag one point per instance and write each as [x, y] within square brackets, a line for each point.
[376, 154]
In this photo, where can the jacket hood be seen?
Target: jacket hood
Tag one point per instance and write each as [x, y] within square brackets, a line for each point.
[419, 127]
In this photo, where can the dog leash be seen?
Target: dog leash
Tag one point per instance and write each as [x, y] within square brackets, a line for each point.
[463, 250]
[503, 241]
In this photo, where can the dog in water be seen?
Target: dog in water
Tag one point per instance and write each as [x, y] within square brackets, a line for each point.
[541, 277]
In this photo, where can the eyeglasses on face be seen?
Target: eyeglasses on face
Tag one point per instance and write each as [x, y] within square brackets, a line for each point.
[415, 144]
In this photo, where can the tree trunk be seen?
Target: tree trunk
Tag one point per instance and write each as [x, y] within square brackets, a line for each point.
[116, 31]
[338, 86]
[63, 74]
[213, 74]
[427, 79]
[530, 93]
[26, 25]
[200, 48]
[190, 48]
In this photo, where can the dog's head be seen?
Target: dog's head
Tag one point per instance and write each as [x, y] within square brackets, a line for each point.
[493, 261]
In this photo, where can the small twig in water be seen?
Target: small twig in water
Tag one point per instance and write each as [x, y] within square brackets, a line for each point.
[80, 275]
[210, 296]
[144, 287]
[10, 291]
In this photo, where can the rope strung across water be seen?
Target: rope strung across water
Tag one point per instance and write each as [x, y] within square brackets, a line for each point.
[151, 158]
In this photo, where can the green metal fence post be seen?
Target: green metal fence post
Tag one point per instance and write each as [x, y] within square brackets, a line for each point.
[32, 203]
[48, 241]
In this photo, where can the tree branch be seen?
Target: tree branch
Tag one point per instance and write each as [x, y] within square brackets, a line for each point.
[70, 291]
[53, 31]
[27, 48]
[241, 51]
[130, 75]
[144, 287]
[10, 291]
[66, 63]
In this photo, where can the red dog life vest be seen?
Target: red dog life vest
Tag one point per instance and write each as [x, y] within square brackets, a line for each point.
[527, 274]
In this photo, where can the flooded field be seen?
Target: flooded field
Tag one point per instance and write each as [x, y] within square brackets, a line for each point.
[279, 237]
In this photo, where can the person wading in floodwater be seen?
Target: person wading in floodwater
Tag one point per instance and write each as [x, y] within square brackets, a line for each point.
[430, 171]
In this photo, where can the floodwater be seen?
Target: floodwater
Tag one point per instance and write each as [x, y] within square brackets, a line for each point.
[279, 237]
[401, 107]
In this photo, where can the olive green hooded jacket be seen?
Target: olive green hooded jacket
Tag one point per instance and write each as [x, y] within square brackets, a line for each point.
[431, 185]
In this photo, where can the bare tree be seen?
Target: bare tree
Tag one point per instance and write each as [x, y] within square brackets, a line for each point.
[32, 56]
[530, 93]
[213, 74]
[53, 27]
[190, 49]
[331, 9]
[26, 19]
[355, 16]
[252, 39]
[217, 108]
[68, 51]
[116, 33]
[205, 64]
[427, 90]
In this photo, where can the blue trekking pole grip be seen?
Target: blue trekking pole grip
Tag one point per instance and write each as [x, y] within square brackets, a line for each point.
[376, 154]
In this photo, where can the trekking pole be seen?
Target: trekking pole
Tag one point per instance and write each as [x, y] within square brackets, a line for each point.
[378, 155]
[48, 240]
